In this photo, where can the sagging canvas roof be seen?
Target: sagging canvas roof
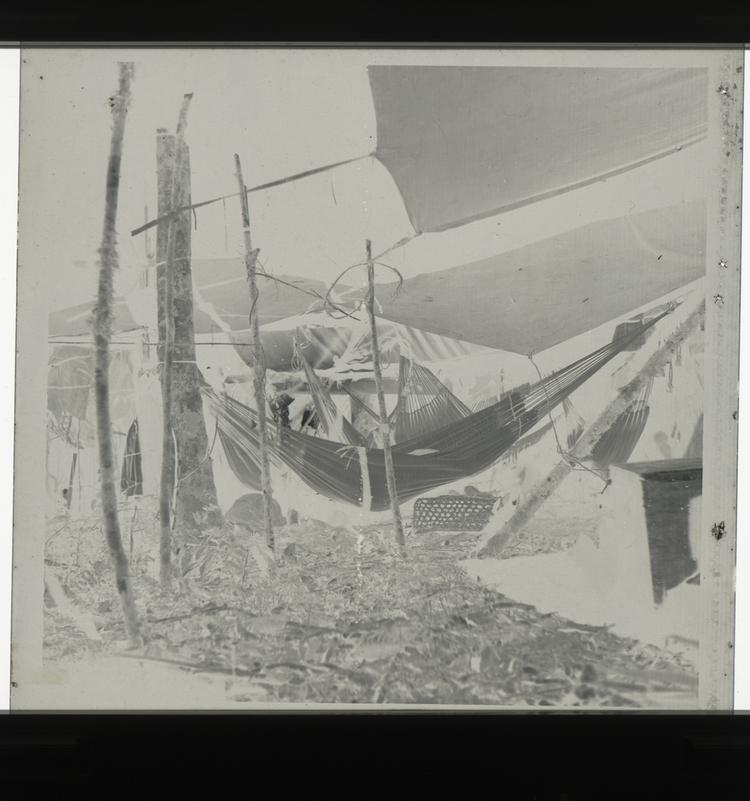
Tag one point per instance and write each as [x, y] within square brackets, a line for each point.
[537, 296]
[463, 143]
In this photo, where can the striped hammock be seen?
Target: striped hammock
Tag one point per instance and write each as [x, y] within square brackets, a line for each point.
[355, 474]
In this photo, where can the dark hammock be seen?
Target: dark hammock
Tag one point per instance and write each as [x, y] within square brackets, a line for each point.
[618, 442]
[454, 452]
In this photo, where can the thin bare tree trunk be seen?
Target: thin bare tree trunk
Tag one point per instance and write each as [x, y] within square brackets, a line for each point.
[390, 475]
[259, 368]
[102, 335]
[494, 545]
[168, 456]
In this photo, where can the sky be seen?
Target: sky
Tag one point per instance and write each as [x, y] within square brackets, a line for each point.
[283, 112]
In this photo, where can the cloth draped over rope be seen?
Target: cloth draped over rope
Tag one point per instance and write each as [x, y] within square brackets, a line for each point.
[424, 462]
[131, 481]
[70, 381]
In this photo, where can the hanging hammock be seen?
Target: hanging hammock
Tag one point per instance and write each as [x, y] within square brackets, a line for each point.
[617, 444]
[356, 474]
[424, 403]
[511, 396]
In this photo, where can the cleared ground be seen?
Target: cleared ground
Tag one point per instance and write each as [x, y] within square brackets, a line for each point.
[341, 618]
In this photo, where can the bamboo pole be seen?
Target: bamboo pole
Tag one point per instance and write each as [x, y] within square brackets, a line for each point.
[494, 545]
[168, 456]
[259, 369]
[102, 337]
[385, 427]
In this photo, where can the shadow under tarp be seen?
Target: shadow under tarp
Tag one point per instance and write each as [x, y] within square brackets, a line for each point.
[639, 576]
[668, 488]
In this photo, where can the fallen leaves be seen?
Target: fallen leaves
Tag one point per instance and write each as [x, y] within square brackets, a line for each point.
[342, 619]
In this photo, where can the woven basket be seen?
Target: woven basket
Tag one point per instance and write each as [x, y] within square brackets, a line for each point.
[452, 513]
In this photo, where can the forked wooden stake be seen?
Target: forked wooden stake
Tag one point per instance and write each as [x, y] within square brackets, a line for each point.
[102, 336]
[259, 369]
[390, 475]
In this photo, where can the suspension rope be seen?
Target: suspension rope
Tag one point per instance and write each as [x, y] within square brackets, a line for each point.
[567, 456]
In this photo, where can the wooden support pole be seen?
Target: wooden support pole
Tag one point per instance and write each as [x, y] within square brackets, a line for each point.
[102, 337]
[195, 504]
[168, 455]
[385, 427]
[494, 544]
[259, 368]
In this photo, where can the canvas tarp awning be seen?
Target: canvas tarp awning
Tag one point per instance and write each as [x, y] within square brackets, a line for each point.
[537, 296]
[464, 143]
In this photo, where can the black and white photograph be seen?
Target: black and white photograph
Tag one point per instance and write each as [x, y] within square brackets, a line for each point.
[386, 378]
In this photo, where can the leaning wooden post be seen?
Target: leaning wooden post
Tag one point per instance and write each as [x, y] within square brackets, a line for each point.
[259, 369]
[102, 336]
[390, 475]
[494, 544]
[168, 442]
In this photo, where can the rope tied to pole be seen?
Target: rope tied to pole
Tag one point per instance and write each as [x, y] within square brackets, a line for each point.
[566, 455]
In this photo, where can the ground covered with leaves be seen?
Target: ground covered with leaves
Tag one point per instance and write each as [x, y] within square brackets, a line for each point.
[340, 617]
